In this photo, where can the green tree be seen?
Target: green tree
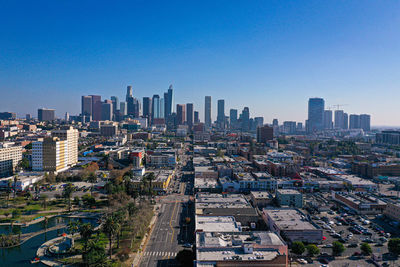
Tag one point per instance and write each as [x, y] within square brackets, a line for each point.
[67, 193]
[312, 250]
[110, 228]
[15, 213]
[298, 247]
[16, 229]
[394, 246]
[88, 200]
[86, 231]
[366, 249]
[96, 254]
[44, 201]
[337, 248]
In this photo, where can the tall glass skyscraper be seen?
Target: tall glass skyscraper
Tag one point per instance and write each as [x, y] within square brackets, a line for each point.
[316, 108]
[207, 111]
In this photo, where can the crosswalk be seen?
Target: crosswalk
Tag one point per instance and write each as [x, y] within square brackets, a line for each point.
[159, 254]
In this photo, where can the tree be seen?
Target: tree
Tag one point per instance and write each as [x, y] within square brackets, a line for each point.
[86, 231]
[312, 250]
[16, 229]
[337, 248]
[394, 246]
[96, 254]
[298, 247]
[15, 213]
[150, 177]
[15, 186]
[366, 248]
[185, 257]
[110, 228]
[44, 201]
[67, 192]
[92, 178]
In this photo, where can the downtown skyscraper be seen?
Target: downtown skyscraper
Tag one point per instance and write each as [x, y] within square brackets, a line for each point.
[207, 111]
[221, 114]
[316, 108]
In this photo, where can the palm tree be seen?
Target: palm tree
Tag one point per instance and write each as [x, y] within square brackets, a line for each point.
[15, 186]
[92, 178]
[9, 185]
[110, 228]
[86, 231]
[45, 222]
[44, 201]
[68, 189]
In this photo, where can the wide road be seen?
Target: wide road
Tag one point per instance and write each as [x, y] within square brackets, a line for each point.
[163, 246]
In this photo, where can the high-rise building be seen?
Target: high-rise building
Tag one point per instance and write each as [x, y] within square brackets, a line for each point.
[264, 134]
[289, 127]
[189, 114]
[258, 122]
[71, 136]
[365, 122]
[233, 113]
[147, 107]
[345, 121]
[123, 109]
[50, 154]
[8, 115]
[96, 107]
[10, 156]
[129, 92]
[275, 122]
[316, 107]
[245, 116]
[299, 126]
[180, 114]
[28, 117]
[328, 123]
[107, 110]
[155, 107]
[66, 117]
[45, 114]
[196, 117]
[115, 103]
[162, 108]
[86, 106]
[168, 98]
[339, 119]
[221, 113]
[207, 111]
[354, 121]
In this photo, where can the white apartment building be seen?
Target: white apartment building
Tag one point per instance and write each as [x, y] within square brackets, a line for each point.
[50, 154]
[10, 155]
[71, 135]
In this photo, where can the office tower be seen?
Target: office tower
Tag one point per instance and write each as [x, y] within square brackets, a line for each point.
[365, 122]
[123, 109]
[168, 101]
[196, 117]
[162, 108]
[289, 127]
[339, 119]
[155, 107]
[66, 118]
[10, 156]
[245, 116]
[86, 106]
[233, 113]
[328, 123]
[28, 117]
[345, 121]
[264, 134]
[147, 108]
[221, 113]
[50, 154]
[316, 107]
[189, 114]
[45, 114]
[106, 110]
[180, 114]
[96, 107]
[299, 126]
[275, 122]
[258, 121]
[129, 92]
[8, 116]
[207, 111]
[115, 102]
[354, 121]
[71, 136]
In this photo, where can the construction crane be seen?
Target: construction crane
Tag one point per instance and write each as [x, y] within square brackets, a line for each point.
[337, 106]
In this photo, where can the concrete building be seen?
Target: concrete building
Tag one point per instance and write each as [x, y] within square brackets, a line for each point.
[316, 107]
[328, 123]
[365, 122]
[70, 135]
[107, 110]
[264, 134]
[189, 114]
[45, 114]
[10, 156]
[393, 211]
[180, 114]
[50, 154]
[207, 111]
[289, 197]
[292, 225]
[360, 203]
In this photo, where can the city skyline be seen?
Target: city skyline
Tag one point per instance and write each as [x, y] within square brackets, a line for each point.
[258, 55]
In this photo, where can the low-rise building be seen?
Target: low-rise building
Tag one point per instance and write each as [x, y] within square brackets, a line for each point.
[393, 211]
[289, 197]
[360, 203]
[261, 199]
[292, 225]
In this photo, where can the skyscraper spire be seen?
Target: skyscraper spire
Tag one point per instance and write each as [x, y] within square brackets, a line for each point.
[129, 92]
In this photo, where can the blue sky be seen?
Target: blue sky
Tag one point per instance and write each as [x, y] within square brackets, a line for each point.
[268, 55]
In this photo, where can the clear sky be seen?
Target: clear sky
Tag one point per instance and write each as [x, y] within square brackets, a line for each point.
[268, 55]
